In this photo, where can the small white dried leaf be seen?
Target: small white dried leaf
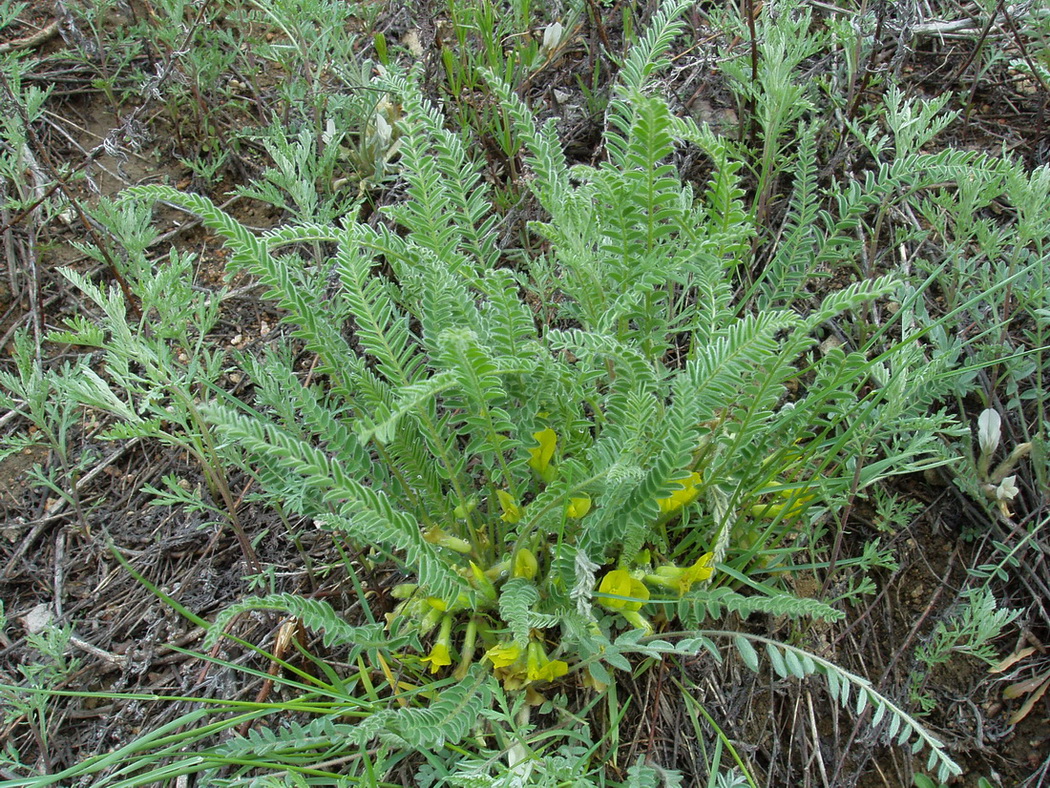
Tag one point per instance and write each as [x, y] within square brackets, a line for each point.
[38, 619]
[412, 43]
[989, 430]
[829, 344]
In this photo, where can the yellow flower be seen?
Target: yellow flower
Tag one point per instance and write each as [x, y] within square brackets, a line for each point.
[481, 580]
[461, 602]
[540, 668]
[681, 580]
[619, 583]
[503, 655]
[518, 669]
[508, 665]
[440, 656]
[441, 653]
[512, 512]
[679, 498]
[698, 572]
[435, 535]
[525, 564]
[541, 456]
[578, 507]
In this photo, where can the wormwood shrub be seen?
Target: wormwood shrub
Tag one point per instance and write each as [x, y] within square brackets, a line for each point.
[565, 451]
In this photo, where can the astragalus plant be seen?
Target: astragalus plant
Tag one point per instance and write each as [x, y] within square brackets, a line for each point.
[592, 449]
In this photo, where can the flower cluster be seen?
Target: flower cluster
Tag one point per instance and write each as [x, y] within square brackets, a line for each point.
[625, 593]
[522, 664]
[517, 667]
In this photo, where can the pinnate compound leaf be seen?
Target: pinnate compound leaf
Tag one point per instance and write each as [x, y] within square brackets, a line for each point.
[446, 720]
[516, 599]
[315, 614]
[902, 728]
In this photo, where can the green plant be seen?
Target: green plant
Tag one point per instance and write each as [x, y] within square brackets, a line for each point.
[634, 429]
[314, 49]
[331, 706]
[486, 41]
[302, 181]
[196, 54]
[108, 49]
[922, 781]
[627, 452]
[26, 189]
[39, 397]
[30, 703]
[9, 12]
[1035, 61]
[893, 512]
[159, 362]
[309, 176]
[968, 630]
[774, 92]
[1006, 352]
[516, 751]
